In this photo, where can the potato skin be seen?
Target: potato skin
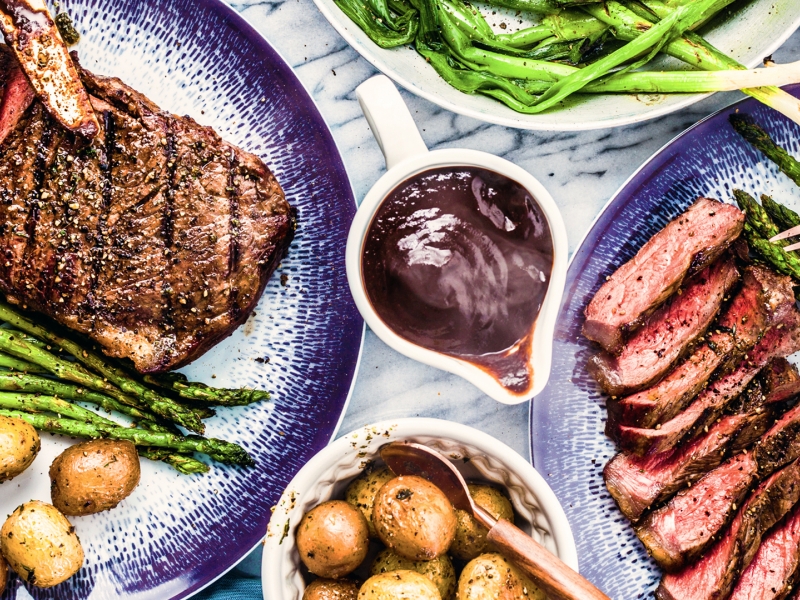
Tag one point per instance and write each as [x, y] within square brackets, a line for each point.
[330, 589]
[19, 445]
[40, 544]
[492, 577]
[439, 570]
[362, 491]
[414, 518]
[3, 574]
[398, 585]
[332, 539]
[94, 476]
[470, 541]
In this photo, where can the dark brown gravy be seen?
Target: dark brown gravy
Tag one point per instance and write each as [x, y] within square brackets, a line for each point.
[458, 260]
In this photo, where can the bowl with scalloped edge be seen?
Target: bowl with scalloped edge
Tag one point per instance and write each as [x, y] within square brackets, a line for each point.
[753, 30]
[477, 455]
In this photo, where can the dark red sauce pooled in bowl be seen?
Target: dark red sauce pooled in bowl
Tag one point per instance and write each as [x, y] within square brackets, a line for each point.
[458, 260]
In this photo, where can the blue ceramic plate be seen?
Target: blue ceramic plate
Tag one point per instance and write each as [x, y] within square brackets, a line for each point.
[176, 534]
[568, 418]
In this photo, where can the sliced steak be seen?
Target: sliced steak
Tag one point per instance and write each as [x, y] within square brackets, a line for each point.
[764, 298]
[686, 245]
[775, 569]
[779, 341]
[638, 482]
[676, 534]
[715, 574]
[666, 333]
[781, 381]
[155, 239]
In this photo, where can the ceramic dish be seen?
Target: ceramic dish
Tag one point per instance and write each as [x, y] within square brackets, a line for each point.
[406, 155]
[326, 476]
[176, 534]
[568, 418]
[755, 30]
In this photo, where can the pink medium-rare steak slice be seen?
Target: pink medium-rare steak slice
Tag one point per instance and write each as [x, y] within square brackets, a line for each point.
[780, 341]
[666, 333]
[781, 380]
[774, 572]
[155, 239]
[764, 298]
[714, 575]
[687, 244]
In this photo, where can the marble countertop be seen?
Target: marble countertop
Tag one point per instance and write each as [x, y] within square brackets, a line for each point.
[582, 171]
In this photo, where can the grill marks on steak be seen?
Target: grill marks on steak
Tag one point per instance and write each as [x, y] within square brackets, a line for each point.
[764, 298]
[160, 235]
[775, 569]
[714, 575]
[686, 245]
[666, 334]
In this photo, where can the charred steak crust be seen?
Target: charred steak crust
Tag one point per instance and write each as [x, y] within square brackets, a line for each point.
[156, 239]
[686, 245]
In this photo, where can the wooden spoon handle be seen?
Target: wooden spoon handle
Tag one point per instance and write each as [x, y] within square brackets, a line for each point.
[546, 569]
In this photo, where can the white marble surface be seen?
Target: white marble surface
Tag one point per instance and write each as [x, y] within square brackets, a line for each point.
[581, 170]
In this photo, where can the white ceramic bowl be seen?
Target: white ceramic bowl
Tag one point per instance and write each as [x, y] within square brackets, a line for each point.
[406, 155]
[326, 476]
[753, 32]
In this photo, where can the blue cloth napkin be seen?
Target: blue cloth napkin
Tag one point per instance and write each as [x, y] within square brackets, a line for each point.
[233, 586]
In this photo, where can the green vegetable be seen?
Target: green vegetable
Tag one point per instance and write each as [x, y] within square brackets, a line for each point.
[67, 30]
[761, 140]
[783, 217]
[199, 392]
[756, 215]
[389, 23]
[783, 262]
[129, 392]
[39, 403]
[10, 362]
[219, 450]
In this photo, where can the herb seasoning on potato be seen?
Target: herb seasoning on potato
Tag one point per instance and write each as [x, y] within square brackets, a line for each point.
[398, 585]
[492, 577]
[414, 518]
[362, 491]
[94, 476]
[333, 539]
[40, 544]
[331, 589]
[470, 541]
[19, 445]
[439, 570]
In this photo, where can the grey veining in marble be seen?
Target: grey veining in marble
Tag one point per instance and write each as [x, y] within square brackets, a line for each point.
[581, 170]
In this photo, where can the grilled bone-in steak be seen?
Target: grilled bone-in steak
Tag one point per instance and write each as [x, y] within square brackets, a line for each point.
[686, 245]
[666, 334]
[714, 575]
[156, 239]
[775, 569]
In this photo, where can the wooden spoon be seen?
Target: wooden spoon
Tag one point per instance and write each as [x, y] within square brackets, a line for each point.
[546, 569]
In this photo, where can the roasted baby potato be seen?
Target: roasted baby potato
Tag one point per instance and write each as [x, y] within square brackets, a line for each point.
[470, 540]
[331, 589]
[40, 544]
[439, 570]
[3, 574]
[94, 476]
[333, 539]
[19, 445]
[414, 518]
[492, 577]
[362, 490]
[398, 585]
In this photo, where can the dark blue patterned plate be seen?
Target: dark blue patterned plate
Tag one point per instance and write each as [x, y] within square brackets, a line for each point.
[568, 418]
[176, 534]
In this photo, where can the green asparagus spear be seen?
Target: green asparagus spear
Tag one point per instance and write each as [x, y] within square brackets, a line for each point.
[784, 217]
[17, 382]
[759, 138]
[783, 262]
[180, 462]
[11, 344]
[40, 403]
[200, 392]
[219, 450]
[756, 215]
[15, 364]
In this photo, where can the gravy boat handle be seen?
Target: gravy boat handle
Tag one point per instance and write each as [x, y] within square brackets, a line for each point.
[388, 117]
